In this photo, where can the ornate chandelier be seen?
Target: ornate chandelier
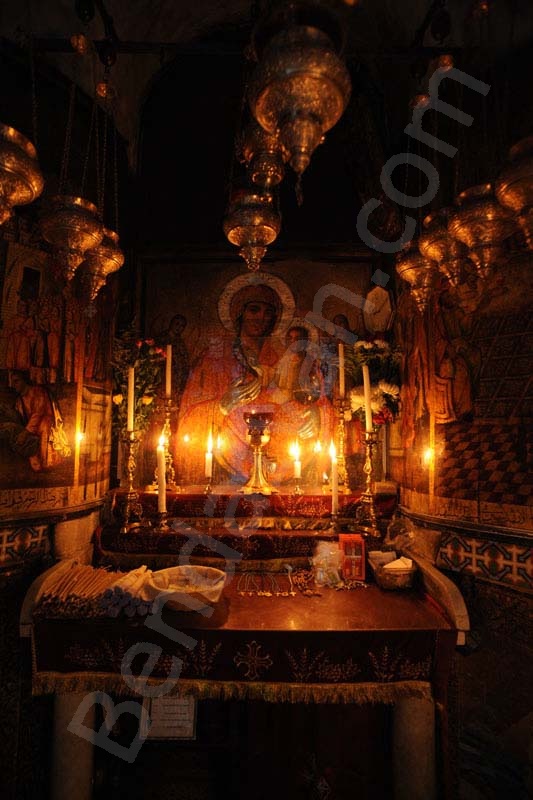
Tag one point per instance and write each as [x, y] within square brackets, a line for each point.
[252, 223]
[419, 272]
[482, 224]
[514, 187]
[72, 226]
[21, 180]
[436, 243]
[263, 156]
[299, 89]
[102, 260]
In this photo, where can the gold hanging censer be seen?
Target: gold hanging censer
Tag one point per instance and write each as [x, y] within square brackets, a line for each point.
[436, 243]
[482, 224]
[252, 223]
[263, 155]
[419, 272]
[101, 261]
[21, 181]
[514, 187]
[71, 225]
[300, 90]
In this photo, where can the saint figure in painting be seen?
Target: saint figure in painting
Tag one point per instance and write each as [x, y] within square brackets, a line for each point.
[251, 371]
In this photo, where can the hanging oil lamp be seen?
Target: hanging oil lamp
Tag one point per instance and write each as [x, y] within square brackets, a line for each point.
[436, 243]
[514, 187]
[419, 272]
[262, 153]
[300, 89]
[483, 225]
[72, 226]
[252, 223]
[101, 261]
[21, 180]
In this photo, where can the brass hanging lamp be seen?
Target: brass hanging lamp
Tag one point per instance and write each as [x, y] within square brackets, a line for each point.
[263, 155]
[514, 186]
[21, 180]
[436, 243]
[483, 225]
[421, 273]
[252, 223]
[106, 257]
[299, 89]
[70, 223]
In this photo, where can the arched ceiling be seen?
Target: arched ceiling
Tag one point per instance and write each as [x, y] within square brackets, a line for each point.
[179, 82]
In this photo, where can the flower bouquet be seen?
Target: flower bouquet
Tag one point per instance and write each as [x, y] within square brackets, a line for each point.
[147, 359]
[383, 365]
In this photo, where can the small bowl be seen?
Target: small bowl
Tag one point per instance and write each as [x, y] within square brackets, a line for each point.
[393, 579]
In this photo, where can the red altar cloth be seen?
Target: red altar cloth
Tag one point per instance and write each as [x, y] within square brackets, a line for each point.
[364, 645]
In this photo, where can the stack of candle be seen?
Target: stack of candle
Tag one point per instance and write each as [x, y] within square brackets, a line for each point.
[209, 457]
[294, 451]
[161, 476]
[334, 479]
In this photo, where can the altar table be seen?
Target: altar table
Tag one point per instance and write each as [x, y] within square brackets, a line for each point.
[358, 646]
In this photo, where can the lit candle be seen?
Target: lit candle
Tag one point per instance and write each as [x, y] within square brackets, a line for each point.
[295, 453]
[342, 387]
[209, 457]
[161, 476]
[368, 399]
[334, 479]
[131, 399]
[168, 372]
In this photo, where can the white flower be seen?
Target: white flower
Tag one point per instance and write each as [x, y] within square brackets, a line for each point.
[389, 388]
[381, 344]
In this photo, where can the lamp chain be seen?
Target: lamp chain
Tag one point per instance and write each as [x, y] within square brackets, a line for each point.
[115, 175]
[87, 152]
[34, 108]
[101, 191]
[68, 139]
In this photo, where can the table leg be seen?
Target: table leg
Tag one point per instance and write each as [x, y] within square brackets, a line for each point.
[413, 743]
[73, 756]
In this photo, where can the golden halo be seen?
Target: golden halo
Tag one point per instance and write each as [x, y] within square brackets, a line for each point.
[302, 322]
[285, 295]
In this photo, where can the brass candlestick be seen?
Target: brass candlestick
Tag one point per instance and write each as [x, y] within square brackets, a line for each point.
[258, 436]
[166, 433]
[366, 513]
[342, 408]
[133, 505]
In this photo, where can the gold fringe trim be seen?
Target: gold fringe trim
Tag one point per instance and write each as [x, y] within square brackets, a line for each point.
[358, 693]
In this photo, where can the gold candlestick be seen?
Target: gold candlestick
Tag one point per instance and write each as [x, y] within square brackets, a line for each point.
[258, 436]
[133, 506]
[166, 433]
[366, 513]
[342, 408]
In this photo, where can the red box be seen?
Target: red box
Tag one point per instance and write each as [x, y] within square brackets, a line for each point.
[352, 547]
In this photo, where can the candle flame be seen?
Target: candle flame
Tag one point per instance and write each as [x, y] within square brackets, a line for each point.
[210, 442]
[332, 450]
[429, 455]
[162, 440]
[219, 442]
[294, 451]
[318, 447]
[80, 436]
[186, 438]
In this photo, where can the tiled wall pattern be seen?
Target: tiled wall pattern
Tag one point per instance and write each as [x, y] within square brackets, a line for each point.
[505, 346]
[508, 563]
[22, 546]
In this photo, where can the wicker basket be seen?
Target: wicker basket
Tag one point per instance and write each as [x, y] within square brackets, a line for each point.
[393, 578]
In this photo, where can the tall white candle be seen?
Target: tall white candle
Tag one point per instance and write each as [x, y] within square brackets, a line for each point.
[168, 372]
[131, 400]
[334, 479]
[342, 387]
[161, 476]
[368, 399]
[295, 452]
[209, 457]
